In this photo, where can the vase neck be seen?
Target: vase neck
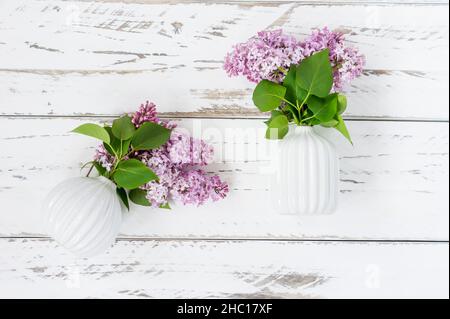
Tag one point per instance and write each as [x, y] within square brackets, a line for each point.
[302, 129]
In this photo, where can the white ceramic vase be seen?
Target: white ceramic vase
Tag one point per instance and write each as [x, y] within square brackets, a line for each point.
[307, 177]
[83, 214]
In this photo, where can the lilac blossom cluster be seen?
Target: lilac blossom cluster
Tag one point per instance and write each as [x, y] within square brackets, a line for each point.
[270, 53]
[177, 163]
[347, 62]
[147, 113]
[264, 56]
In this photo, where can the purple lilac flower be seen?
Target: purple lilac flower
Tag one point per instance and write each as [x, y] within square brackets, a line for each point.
[158, 161]
[193, 187]
[185, 150]
[220, 188]
[147, 113]
[104, 158]
[157, 194]
[347, 63]
[262, 56]
[176, 163]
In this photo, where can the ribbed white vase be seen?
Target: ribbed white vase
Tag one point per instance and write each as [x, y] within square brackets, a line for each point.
[83, 214]
[307, 177]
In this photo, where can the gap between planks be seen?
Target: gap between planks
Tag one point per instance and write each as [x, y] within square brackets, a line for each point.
[200, 115]
[276, 2]
[250, 239]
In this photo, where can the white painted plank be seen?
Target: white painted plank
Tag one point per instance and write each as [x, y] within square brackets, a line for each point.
[118, 36]
[316, 2]
[394, 182]
[109, 52]
[226, 269]
[389, 94]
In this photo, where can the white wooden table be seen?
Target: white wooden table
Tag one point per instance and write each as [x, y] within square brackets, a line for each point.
[63, 63]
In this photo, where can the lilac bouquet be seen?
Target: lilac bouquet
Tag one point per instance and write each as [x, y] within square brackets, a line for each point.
[152, 162]
[298, 81]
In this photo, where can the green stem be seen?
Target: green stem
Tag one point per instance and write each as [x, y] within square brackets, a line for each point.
[115, 154]
[282, 70]
[132, 150]
[295, 107]
[117, 157]
[305, 100]
[315, 115]
[296, 120]
[120, 159]
[111, 173]
[308, 118]
[337, 67]
[90, 170]
[284, 100]
[299, 110]
[301, 106]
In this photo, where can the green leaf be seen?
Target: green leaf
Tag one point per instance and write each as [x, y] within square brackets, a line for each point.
[93, 130]
[132, 173]
[294, 92]
[150, 136]
[292, 116]
[294, 113]
[137, 196]
[278, 127]
[113, 147]
[343, 129]
[342, 103]
[123, 128]
[290, 84]
[100, 169]
[165, 206]
[109, 149]
[116, 145]
[315, 75]
[323, 109]
[331, 123]
[275, 113]
[314, 121]
[125, 147]
[123, 196]
[268, 95]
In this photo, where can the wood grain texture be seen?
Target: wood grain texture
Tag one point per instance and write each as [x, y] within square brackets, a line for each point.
[394, 182]
[390, 95]
[305, 2]
[65, 57]
[226, 269]
[74, 35]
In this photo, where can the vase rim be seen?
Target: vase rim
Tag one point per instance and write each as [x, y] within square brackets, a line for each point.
[301, 127]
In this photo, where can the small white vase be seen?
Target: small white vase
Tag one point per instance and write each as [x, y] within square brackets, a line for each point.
[307, 177]
[83, 215]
